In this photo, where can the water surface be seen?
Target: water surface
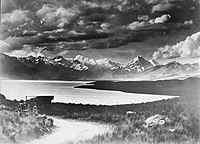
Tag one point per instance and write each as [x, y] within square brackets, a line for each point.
[65, 92]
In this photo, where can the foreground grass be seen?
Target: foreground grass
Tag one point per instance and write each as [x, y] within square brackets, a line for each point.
[181, 115]
[14, 128]
[182, 124]
[138, 142]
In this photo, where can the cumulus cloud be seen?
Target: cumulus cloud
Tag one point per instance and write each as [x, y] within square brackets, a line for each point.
[166, 52]
[143, 17]
[190, 47]
[16, 43]
[4, 46]
[58, 16]
[152, 1]
[162, 19]
[26, 51]
[45, 10]
[15, 16]
[103, 4]
[188, 22]
[136, 25]
[13, 42]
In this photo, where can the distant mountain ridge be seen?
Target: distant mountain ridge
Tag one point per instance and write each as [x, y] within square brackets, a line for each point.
[81, 68]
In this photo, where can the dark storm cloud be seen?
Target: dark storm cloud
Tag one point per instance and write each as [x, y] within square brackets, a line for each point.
[73, 40]
[139, 34]
[60, 26]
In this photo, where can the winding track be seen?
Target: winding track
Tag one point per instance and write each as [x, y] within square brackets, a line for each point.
[72, 131]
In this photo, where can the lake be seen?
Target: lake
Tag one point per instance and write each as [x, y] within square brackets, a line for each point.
[65, 92]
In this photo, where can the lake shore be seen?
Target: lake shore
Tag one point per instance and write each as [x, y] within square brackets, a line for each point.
[161, 87]
[64, 92]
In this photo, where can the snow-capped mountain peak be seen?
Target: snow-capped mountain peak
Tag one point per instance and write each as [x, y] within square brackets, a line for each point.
[85, 68]
[58, 59]
[174, 64]
[154, 62]
[139, 64]
[138, 59]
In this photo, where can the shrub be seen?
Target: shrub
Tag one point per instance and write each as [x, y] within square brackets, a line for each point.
[16, 128]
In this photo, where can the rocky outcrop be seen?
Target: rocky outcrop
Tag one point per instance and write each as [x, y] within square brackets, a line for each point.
[156, 120]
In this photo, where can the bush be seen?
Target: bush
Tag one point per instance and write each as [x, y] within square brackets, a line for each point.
[18, 129]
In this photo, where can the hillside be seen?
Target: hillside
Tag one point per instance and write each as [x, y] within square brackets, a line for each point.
[166, 121]
[20, 129]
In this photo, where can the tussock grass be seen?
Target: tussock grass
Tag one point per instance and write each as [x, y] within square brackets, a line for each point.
[14, 128]
[182, 126]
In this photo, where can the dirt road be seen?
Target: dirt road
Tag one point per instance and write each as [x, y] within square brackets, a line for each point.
[72, 131]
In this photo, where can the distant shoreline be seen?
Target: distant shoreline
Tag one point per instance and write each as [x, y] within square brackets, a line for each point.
[65, 92]
[49, 81]
[161, 87]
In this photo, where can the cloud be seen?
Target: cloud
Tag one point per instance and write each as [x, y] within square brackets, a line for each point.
[17, 53]
[8, 5]
[143, 24]
[15, 16]
[162, 19]
[188, 22]
[126, 5]
[103, 4]
[4, 46]
[16, 43]
[58, 16]
[87, 25]
[162, 7]
[143, 17]
[136, 25]
[26, 51]
[154, 2]
[45, 10]
[188, 48]
[166, 52]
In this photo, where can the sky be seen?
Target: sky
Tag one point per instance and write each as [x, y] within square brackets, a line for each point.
[163, 30]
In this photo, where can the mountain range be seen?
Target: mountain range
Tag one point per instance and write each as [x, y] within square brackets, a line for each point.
[81, 68]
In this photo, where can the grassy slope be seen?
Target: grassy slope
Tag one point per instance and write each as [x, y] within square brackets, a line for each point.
[183, 115]
[15, 128]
